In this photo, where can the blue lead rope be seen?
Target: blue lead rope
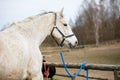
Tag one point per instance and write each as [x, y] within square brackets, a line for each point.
[77, 73]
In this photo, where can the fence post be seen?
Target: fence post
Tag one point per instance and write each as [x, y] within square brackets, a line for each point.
[115, 75]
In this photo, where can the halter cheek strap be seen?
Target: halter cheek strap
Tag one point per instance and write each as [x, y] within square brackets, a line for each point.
[63, 36]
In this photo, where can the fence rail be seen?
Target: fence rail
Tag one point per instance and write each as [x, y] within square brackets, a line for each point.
[104, 67]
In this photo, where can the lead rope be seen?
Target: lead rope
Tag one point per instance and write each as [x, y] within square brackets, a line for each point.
[73, 76]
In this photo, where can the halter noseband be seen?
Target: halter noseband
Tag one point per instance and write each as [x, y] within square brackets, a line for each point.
[63, 36]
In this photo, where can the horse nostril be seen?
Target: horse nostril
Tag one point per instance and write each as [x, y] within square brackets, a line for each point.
[76, 42]
[70, 45]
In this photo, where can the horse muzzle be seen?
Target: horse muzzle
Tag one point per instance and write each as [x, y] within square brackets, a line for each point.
[70, 45]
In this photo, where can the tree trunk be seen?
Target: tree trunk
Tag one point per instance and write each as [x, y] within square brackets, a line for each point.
[97, 34]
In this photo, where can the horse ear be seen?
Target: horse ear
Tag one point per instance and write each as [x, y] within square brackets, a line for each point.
[61, 12]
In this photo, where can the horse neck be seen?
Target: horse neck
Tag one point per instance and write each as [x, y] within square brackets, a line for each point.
[35, 29]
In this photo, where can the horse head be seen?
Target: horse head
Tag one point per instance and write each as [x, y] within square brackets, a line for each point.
[62, 32]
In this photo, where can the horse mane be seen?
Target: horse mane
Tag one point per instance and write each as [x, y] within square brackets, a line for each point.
[30, 18]
[43, 13]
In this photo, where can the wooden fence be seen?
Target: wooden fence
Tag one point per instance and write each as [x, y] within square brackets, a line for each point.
[104, 67]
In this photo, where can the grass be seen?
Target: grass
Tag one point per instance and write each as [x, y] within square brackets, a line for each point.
[105, 57]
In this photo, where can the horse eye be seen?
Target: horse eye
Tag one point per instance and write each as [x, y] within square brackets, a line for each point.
[65, 24]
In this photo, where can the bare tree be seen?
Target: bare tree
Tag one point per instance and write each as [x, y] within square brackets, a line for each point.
[93, 12]
[99, 21]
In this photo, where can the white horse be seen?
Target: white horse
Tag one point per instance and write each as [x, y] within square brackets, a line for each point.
[20, 56]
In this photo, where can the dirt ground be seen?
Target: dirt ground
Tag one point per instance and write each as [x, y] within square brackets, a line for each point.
[104, 54]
